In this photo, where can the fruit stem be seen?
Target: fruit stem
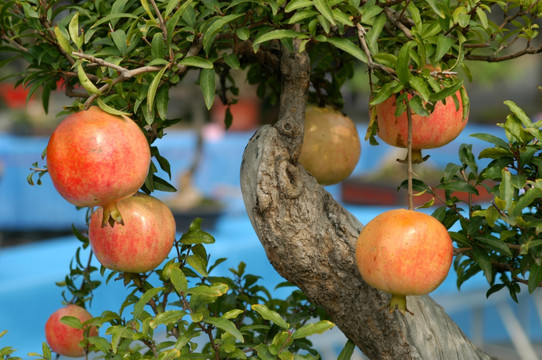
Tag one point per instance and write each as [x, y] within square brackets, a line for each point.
[111, 215]
[398, 302]
[409, 158]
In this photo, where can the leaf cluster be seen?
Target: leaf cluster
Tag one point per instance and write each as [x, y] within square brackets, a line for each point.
[501, 238]
[181, 311]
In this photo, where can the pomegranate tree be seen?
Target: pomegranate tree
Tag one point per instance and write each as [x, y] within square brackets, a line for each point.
[95, 158]
[443, 125]
[331, 146]
[404, 252]
[141, 243]
[63, 338]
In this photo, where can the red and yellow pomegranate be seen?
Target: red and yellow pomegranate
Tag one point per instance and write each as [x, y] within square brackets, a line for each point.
[141, 243]
[404, 252]
[442, 126]
[331, 146]
[64, 339]
[95, 158]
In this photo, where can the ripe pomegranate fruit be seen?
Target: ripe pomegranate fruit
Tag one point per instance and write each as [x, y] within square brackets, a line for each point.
[64, 339]
[404, 252]
[331, 146]
[141, 243]
[443, 125]
[95, 158]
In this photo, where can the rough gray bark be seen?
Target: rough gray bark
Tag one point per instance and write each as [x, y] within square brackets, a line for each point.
[310, 238]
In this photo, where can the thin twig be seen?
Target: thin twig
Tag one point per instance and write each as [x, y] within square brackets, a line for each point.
[494, 58]
[410, 172]
[370, 63]
[124, 74]
[99, 61]
[397, 23]
[160, 20]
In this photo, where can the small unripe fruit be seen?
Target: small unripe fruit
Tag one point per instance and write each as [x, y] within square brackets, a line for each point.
[331, 146]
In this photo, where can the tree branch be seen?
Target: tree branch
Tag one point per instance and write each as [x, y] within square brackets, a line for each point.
[494, 58]
[160, 20]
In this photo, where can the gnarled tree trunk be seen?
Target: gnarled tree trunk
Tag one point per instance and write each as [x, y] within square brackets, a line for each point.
[310, 239]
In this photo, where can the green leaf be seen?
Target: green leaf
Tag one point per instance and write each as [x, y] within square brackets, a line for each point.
[226, 325]
[434, 6]
[168, 317]
[483, 17]
[147, 8]
[63, 40]
[85, 81]
[420, 86]
[110, 110]
[297, 4]
[195, 235]
[402, 68]
[145, 298]
[157, 46]
[495, 244]
[162, 100]
[516, 110]
[196, 61]
[444, 44]
[215, 290]
[312, 328]
[483, 260]
[198, 263]
[178, 279]
[494, 153]
[460, 186]
[264, 353]
[232, 61]
[170, 7]
[270, 315]
[506, 189]
[535, 277]
[324, 8]
[383, 93]
[73, 29]
[467, 158]
[417, 106]
[151, 92]
[101, 344]
[232, 314]
[119, 38]
[210, 33]
[374, 33]
[347, 351]
[279, 34]
[349, 47]
[243, 33]
[491, 139]
[207, 84]
[527, 199]
[117, 333]
[72, 321]
[447, 92]
[110, 17]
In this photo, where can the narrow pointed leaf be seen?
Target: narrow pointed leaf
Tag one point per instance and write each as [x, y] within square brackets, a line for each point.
[226, 325]
[207, 83]
[270, 315]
